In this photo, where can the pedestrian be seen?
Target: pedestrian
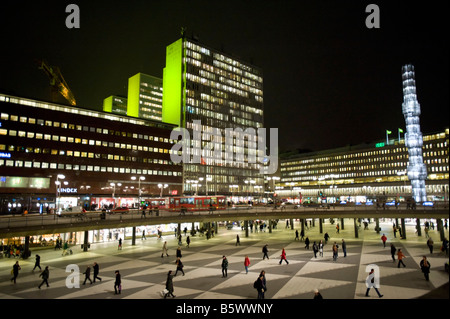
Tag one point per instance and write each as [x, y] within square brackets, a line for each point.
[426, 232]
[143, 235]
[15, 271]
[335, 251]
[45, 275]
[315, 248]
[393, 250]
[188, 241]
[302, 234]
[307, 243]
[373, 283]
[337, 228]
[317, 294]
[169, 285]
[37, 263]
[400, 257]
[265, 251]
[326, 237]
[179, 266]
[178, 253]
[321, 248]
[425, 267]
[238, 242]
[283, 257]
[224, 267]
[445, 246]
[246, 264]
[383, 239]
[395, 231]
[164, 250]
[96, 271]
[117, 283]
[344, 247]
[65, 248]
[87, 275]
[180, 242]
[260, 285]
[120, 244]
[296, 235]
[430, 245]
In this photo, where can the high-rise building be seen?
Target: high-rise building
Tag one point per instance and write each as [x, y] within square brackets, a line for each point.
[145, 97]
[417, 172]
[115, 104]
[222, 92]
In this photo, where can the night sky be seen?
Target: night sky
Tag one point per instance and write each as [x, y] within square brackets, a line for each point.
[329, 81]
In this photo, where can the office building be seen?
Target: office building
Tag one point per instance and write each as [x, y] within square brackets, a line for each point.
[104, 158]
[360, 172]
[221, 91]
[115, 104]
[145, 97]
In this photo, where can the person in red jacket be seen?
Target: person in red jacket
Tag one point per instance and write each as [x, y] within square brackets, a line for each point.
[246, 264]
[400, 257]
[283, 257]
[383, 239]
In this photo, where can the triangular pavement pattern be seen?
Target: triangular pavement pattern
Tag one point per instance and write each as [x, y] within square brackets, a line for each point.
[300, 285]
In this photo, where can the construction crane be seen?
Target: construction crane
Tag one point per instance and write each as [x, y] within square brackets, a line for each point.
[57, 82]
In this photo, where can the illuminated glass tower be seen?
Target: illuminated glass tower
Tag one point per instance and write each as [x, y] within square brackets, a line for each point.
[221, 91]
[145, 97]
[417, 172]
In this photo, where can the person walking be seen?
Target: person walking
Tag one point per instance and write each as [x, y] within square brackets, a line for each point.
[96, 271]
[238, 241]
[87, 275]
[425, 267]
[15, 271]
[302, 234]
[120, 244]
[373, 284]
[384, 239]
[45, 275]
[337, 228]
[335, 251]
[265, 251]
[117, 283]
[321, 248]
[164, 250]
[393, 250]
[307, 243]
[246, 264]
[283, 257]
[317, 294]
[315, 248]
[400, 257]
[179, 266]
[344, 247]
[188, 241]
[296, 235]
[430, 244]
[326, 237]
[224, 267]
[169, 285]
[260, 286]
[37, 263]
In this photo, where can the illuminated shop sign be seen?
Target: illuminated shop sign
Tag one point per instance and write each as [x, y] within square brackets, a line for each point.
[68, 190]
[5, 155]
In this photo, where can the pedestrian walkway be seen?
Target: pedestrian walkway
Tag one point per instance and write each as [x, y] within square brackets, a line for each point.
[144, 271]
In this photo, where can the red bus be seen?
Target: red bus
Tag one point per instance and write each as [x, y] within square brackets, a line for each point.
[188, 202]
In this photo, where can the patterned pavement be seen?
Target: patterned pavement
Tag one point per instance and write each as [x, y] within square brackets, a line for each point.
[144, 271]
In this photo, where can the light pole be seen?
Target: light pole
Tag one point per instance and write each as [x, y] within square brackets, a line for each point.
[141, 178]
[58, 191]
[162, 187]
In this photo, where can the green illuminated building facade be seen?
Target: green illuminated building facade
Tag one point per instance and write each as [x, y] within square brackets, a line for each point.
[145, 97]
[221, 91]
[115, 104]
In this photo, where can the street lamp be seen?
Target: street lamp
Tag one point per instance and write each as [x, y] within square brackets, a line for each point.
[162, 187]
[141, 178]
[58, 191]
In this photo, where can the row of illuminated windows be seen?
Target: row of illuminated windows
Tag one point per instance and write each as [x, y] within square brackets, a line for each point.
[57, 124]
[72, 153]
[150, 98]
[247, 70]
[89, 168]
[77, 140]
[213, 84]
[215, 70]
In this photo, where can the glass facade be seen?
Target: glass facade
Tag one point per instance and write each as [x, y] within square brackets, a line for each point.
[202, 84]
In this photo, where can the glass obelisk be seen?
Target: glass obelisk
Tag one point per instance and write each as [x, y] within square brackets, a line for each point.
[417, 172]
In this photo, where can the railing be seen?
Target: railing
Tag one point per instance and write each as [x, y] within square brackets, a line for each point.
[32, 220]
